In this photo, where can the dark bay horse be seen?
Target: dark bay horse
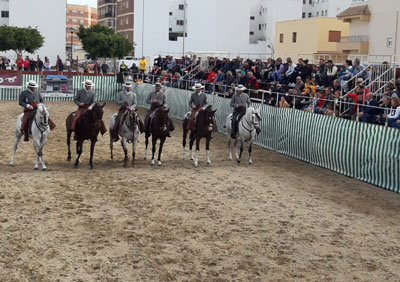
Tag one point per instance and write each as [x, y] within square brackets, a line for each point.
[159, 128]
[87, 128]
[205, 125]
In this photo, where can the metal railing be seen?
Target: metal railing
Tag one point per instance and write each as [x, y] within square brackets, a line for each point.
[354, 39]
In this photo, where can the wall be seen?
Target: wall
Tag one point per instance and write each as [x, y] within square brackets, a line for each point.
[312, 36]
[52, 26]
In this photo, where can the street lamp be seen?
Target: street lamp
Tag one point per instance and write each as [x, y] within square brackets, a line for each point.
[71, 30]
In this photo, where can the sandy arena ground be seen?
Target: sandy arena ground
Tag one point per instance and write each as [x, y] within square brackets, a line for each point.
[278, 220]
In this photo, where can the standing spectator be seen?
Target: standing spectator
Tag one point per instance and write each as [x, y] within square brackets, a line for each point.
[32, 65]
[322, 78]
[123, 68]
[26, 63]
[68, 65]
[40, 64]
[60, 64]
[47, 64]
[331, 73]
[142, 64]
[20, 63]
[368, 112]
[104, 67]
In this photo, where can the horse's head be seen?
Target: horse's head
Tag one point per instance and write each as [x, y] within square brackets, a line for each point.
[163, 117]
[255, 117]
[208, 116]
[97, 114]
[42, 114]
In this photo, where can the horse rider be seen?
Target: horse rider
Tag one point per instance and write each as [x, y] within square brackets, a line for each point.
[155, 99]
[126, 101]
[240, 101]
[29, 100]
[198, 99]
[85, 99]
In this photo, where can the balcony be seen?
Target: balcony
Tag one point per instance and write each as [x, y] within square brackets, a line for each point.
[356, 44]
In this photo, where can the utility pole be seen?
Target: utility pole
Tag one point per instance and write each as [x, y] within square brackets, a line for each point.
[143, 29]
[184, 28]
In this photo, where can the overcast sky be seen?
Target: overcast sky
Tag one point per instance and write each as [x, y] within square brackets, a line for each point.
[92, 3]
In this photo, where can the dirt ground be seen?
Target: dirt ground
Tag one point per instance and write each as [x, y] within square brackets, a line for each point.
[278, 220]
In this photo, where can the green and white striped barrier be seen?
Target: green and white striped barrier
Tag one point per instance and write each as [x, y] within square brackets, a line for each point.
[367, 152]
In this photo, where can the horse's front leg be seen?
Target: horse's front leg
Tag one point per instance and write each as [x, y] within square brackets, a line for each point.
[18, 136]
[191, 142]
[125, 148]
[134, 143]
[111, 147]
[185, 132]
[92, 144]
[241, 150]
[249, 149]
[79, 145]
[229, 146]
[208, 140]
[146, 143]
[236, 150]
[162, 140]
[196, 162]
[153, 149]
[69, 132]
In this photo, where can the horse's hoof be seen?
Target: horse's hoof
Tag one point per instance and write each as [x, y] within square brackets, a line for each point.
[44, 169]
[238, 161]
[208, 162]
[11, 165]
[250, 163]
[75, 166]
[68, 159]
[91, 168]
[152, 162]
[230, 158]
[191, 158]
[36, 168]
[159, 163]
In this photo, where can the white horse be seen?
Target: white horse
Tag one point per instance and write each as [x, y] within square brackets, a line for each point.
[40, 131]
[249, 127]
[129, 132]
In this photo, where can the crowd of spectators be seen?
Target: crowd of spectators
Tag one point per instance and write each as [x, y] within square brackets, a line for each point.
[325, 88]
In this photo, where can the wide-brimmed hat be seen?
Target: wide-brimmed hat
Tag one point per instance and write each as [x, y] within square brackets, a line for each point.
[32, 83]
[240, 87]
[197, 86]
[128, 85]
[158, 85]
[88, 82]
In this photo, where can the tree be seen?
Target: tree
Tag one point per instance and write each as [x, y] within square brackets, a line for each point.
[20, 39]
[102, 42]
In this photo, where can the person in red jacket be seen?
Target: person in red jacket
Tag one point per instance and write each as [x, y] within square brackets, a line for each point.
[359, 96]
[210, 80]
[252, 82]
[26, 63]
[20, 63]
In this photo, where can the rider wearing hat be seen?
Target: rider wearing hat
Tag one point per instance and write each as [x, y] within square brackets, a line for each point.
[85, 99]
[29, 100]
[155, 99]
[197, 101]
[240, 101]
[126, 101]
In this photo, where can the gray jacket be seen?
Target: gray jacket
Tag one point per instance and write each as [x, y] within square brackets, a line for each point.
[130, 96]
[86, 97]
[159, 96]
[242, 99]
[27, 97]
[198, 100]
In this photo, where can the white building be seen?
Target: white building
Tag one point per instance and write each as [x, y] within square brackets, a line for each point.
[51, 25]
[4, 9]
[210, 28]
[323, 8]
[176, 19]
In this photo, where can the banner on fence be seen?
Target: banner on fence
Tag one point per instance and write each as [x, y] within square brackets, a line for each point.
[10, 80]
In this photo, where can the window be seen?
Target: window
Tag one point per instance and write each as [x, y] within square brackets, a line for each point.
[252, 18]
[74, 20]
[326, 13]
[170, 29]
[81, 22]
[389, 41]
[310, 2]
[334, 36]
[310, 15]
[74, 12]
[294, 37]
[303, 15]
[178, 22]
[304, 1]
[259, 27]
[82, 14]
[4, 14]
[170, 13]
[317, 14]
[281, 38]
[251, 32]
[181, 7]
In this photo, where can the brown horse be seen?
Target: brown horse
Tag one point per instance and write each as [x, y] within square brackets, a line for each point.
[87, 128]
[159, 128]
[205, 125]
